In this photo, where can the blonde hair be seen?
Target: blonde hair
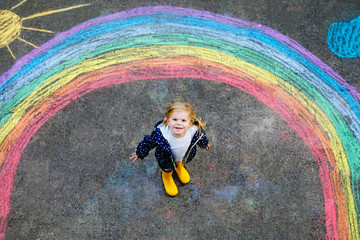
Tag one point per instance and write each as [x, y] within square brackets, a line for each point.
[183, 106]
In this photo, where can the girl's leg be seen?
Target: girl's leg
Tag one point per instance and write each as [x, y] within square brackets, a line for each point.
[169, 184]
[182, 173]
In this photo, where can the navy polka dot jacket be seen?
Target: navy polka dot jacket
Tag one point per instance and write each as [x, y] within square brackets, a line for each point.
[163, 151]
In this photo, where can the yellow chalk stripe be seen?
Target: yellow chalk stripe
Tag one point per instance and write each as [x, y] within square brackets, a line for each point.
[143, 53]
[10, 51]
[28, 42]
[17, 5]
[54, 11]
[36, 29]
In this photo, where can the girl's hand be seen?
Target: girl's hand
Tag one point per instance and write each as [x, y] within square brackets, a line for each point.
[208, 147]
[135, 157]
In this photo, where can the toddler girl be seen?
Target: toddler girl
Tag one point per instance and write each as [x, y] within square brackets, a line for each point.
[175, 139]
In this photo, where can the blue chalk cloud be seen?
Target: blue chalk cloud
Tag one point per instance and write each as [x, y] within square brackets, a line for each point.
[344, 38]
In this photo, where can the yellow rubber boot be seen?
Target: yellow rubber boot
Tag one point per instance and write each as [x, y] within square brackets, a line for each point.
[182, 173]
[169, 184]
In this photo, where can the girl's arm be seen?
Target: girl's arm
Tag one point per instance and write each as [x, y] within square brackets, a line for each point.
[203, 143]
[144, 147]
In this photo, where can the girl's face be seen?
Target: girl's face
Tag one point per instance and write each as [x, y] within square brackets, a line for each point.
[179, 123]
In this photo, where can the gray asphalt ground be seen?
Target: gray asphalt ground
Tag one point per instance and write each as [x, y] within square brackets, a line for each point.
[259, 180]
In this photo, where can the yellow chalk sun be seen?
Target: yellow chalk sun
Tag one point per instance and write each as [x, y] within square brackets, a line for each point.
[11, 25]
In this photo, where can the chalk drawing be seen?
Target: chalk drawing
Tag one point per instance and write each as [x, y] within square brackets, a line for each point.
[11, 25]
[228, 193]
[165, 42]
[344, 38]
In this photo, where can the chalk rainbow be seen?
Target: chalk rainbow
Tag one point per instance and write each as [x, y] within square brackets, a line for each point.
[163, 42]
